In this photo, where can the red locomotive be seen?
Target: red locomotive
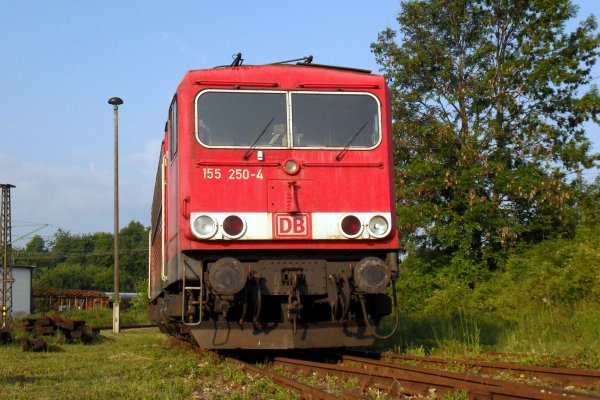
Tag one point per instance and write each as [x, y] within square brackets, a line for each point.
[273, 223]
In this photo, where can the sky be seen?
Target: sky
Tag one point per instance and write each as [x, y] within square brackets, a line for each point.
[60, 62]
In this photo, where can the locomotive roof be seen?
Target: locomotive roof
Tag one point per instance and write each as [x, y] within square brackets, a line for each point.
[301, 64]
[286, 75]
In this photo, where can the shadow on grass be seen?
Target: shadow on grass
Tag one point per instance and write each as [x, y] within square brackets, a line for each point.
[101, 339]
[16, 380]
[54, 348]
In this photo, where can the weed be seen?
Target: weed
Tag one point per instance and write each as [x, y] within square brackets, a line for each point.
[458, 395]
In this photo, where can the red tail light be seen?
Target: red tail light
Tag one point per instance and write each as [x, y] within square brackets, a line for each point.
[233, 226]
[351, 226]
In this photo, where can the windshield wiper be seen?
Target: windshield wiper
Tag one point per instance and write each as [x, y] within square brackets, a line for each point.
[339, 156]
[247, 154]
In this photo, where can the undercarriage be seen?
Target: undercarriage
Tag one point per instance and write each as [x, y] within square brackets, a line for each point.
[230, 303]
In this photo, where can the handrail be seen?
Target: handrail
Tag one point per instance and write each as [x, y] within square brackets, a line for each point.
[163, 222]
[149, 260]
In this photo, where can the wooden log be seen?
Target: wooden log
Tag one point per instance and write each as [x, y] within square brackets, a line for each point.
[28, 322]
[43, 321]
[69, 324]
[76, 335]
[43, 330]
[5, 336]
[38, 344]
[87, 337]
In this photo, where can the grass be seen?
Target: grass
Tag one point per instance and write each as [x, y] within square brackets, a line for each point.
[103, 317]
[146, 364]
[568, 331]
[552, 336]
[135, 364]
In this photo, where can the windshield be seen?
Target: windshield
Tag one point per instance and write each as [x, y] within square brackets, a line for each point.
[325, 120]
[238, 119]
[315, 120]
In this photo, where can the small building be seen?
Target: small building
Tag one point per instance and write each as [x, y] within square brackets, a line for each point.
[22, 300]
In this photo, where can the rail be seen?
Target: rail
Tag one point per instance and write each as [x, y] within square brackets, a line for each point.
[562, 376]
[306, 391]
[371, 372]
[422, 380]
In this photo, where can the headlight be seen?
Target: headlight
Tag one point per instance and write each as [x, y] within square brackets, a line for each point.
[291, 167]
[204, 227]
[378, 226]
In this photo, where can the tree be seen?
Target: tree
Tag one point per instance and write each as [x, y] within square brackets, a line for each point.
[35, 253]
[36, 245]
[74, 248]
[103, 253]
[85, 261]
[133, 249]
[488, 114]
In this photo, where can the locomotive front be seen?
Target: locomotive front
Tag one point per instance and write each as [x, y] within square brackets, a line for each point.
[273, 216]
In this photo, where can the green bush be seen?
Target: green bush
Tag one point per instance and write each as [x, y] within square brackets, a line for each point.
[542, 299]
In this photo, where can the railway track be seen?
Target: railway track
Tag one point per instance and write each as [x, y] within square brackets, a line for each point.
[305, 390]
[369, 373]
[562, 376]
[394, 379]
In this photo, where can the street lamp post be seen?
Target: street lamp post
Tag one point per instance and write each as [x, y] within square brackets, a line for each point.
[116, 102]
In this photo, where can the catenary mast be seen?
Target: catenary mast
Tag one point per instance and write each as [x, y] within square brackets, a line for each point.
[6, 274]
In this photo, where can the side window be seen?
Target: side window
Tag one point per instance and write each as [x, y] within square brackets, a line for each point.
[173, 128]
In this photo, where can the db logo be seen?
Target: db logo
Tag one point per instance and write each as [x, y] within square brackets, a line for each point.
[293, 226]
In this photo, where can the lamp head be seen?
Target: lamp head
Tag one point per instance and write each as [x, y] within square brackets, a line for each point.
[115, 101]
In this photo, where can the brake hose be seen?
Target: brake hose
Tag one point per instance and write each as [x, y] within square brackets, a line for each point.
[396, 312]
